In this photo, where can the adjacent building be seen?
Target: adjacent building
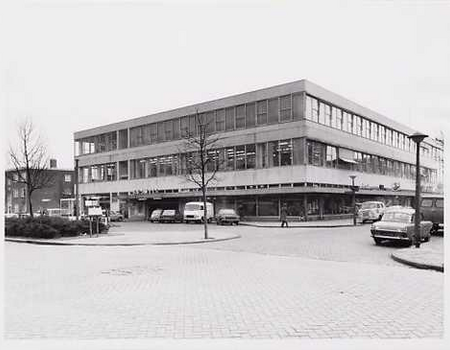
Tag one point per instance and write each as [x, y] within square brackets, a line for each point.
[294, 144]
[62, 190]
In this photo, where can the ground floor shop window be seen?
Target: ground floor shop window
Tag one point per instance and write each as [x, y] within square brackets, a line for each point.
[268, 207]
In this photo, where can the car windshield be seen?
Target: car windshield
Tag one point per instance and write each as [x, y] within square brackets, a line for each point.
[169, 212]
[156, 212]
[369, 205]
[227, 212]
[193, 207]
[395, 216]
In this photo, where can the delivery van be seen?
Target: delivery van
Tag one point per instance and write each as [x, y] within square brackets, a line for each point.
[193, 212]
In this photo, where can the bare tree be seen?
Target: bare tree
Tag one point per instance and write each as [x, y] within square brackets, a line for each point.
[30, 161]
[202, 159]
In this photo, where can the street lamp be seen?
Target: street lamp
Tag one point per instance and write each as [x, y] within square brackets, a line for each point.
[353, 198]
[417, 137]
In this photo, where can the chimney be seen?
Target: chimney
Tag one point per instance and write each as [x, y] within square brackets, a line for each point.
[52, 163]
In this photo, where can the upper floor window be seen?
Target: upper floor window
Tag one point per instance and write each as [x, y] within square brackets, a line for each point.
[261, 116]
[67, 178]
[285, 108]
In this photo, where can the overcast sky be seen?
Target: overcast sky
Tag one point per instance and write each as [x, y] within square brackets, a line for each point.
[78, 65]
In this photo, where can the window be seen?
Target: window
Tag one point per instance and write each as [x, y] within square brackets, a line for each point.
[261, 116]
[153, 133]
[220, 120]
[229, 154]
[439, 203]
[273, 111]
[123, 138]
[285, 108]
[328, 117]
[229, 118]
[95, 173]
[374, 131]
[285, 147]
[184, 126]
[193, 126]
[160, 128]
[337, 118]
[427, 203]
[388, 137]
[168, 130]
[15, 192]
[240, 157]
[268, 206]
[274, 157]
[321, 113]
[153, 167]
[395, 138]
[315, 153]
[357, 125]
[331, 157]
[210, 122]
[250, 115]
[240, 117]
[67, 177]
[176, 128]
[250, 156]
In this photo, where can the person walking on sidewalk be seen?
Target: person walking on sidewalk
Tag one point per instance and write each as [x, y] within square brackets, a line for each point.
[283, 216]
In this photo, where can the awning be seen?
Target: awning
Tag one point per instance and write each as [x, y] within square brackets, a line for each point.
[348, 160]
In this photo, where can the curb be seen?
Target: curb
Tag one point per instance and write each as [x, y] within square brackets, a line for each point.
[417, 264]
[303, 226]
[30, 241]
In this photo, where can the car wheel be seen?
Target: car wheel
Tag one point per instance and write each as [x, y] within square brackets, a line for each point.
[377, 241]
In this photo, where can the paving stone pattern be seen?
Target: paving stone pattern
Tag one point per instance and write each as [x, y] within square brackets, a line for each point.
[184, 292]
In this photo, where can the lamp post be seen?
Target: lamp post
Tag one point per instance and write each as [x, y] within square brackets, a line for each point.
[353, 198]
[77, 180]
[417, 137]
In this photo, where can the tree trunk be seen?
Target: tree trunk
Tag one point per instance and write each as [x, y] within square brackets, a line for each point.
[30, 205]
[205, 212]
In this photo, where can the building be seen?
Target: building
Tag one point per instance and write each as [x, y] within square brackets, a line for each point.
[46, 198]
[295, 143]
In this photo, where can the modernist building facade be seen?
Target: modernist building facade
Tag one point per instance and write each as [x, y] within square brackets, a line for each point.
[294, 144]
[50, 197]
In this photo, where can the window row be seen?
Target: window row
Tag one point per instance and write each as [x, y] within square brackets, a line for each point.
[270, 111]
[321, 154]
[326, 114]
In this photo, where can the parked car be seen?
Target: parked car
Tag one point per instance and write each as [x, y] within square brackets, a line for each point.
[194, 211]
[372, 211]
[115, 216]
[432, 209]
[397, 224]
[11, 215]
[227, 216]
[170, 215]
[155, 215]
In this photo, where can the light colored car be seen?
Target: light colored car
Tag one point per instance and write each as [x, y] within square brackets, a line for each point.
[227, 216]
[155, 215]
[11, 215]
[115, 216]
[371, 211]
[397, 224]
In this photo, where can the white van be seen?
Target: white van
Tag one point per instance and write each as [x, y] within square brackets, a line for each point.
[193, 211]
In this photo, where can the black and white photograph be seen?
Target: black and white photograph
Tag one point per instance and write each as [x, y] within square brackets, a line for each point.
[224, 174]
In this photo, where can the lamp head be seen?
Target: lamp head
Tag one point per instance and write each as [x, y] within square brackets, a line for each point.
[417, 137]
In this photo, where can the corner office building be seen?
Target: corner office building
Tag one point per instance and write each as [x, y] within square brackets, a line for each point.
[295, 143]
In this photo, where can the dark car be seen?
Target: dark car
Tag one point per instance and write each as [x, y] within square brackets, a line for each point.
[432, 209]
[227, 216]
[170, 215]
[155, 215]
[397, 224]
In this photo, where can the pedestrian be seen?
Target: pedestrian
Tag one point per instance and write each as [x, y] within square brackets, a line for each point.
[283, 216]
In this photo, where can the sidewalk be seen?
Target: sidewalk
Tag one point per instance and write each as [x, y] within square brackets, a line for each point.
[119, 237]
[422, 258]
[297, 224]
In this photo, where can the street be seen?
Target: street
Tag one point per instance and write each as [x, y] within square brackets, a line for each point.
[271, 283]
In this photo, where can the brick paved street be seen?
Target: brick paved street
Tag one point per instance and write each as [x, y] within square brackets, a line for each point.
[271, 284]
